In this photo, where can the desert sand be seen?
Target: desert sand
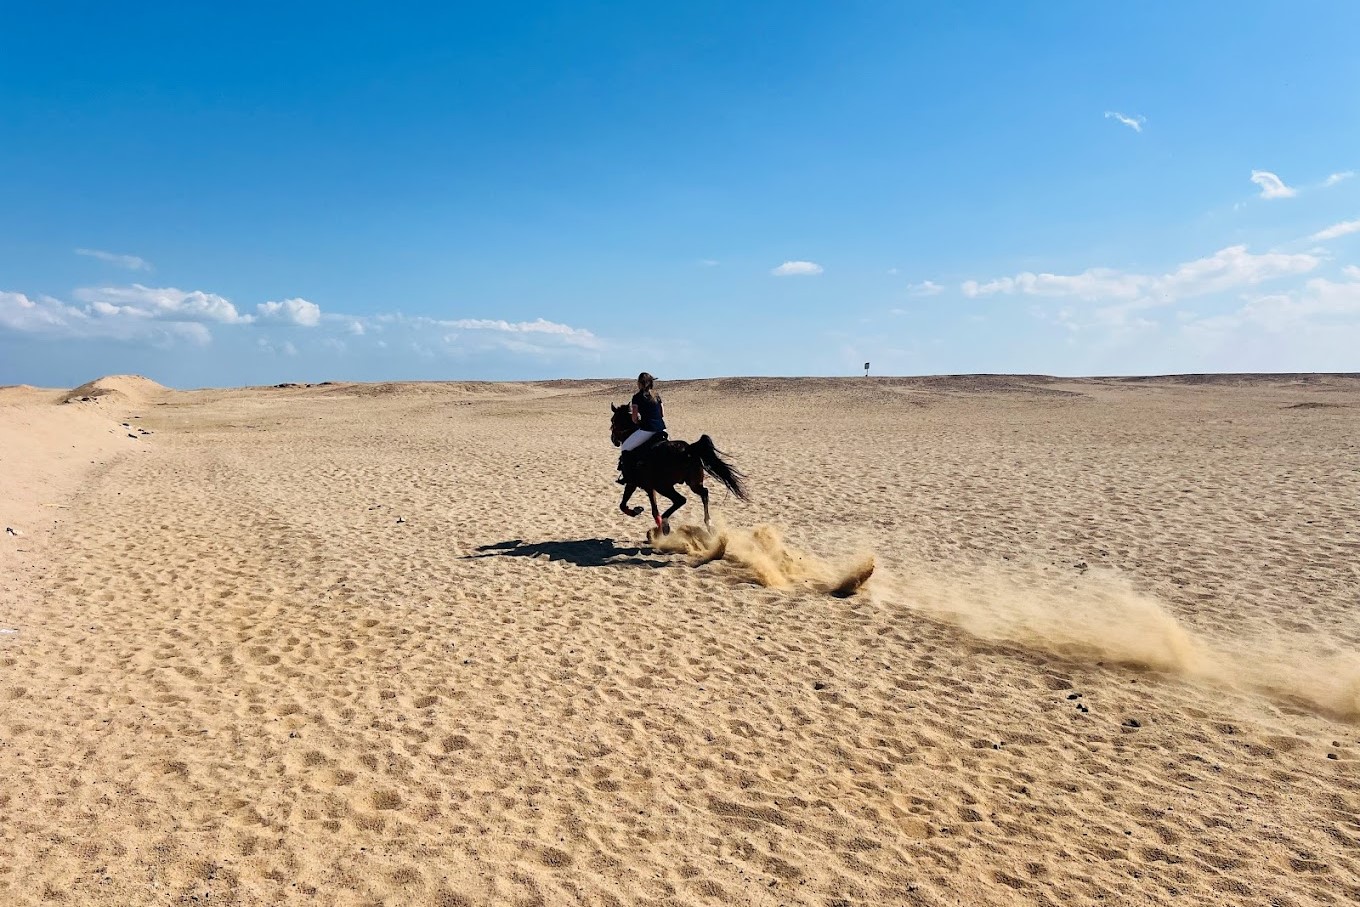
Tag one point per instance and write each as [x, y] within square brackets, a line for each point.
[394, 644]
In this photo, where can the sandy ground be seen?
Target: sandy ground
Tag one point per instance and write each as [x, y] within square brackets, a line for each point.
[395, 644]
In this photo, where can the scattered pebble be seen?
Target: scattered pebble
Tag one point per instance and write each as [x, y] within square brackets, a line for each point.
[132, 436]
[1073, 696]
[819, 686]
[9, 531]
[401, 519]
[7, 631]
[1132, 722]
[1331, 755]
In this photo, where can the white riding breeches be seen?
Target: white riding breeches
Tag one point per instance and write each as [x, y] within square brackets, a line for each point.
[636, 440]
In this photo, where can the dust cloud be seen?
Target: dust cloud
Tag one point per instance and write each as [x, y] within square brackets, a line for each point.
[763, 553]
[1099, 616]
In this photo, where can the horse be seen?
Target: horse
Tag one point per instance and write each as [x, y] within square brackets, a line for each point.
[661, 465]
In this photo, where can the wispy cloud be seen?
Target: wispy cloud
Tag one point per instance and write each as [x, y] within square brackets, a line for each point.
[291, 311]
[131, 262]
[1344, 228]
[1271, 185]
[797, 269]
[1338, 177]
[708, 262]
[1091, 284]
[1319, 301]
[1226, 269]
[282, 349]
[1134, 122]
[562, 333]
[925, 288]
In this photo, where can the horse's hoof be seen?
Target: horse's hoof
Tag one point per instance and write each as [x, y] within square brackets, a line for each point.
[665, 527]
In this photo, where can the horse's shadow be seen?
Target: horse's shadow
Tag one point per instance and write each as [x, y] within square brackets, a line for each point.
[581, 552]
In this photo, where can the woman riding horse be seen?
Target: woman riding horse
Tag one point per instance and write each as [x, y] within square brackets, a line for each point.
[660, 467]
[647, 416]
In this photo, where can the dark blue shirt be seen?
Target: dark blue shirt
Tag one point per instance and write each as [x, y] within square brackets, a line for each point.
[649, 413]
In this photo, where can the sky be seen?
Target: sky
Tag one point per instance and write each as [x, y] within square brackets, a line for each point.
[261, 193]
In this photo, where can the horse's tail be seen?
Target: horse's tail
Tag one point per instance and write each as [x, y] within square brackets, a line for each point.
[718, 468]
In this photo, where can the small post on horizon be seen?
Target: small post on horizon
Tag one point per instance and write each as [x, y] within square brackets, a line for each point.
[866, 370]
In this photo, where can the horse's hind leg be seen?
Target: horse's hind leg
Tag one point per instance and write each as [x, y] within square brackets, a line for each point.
[677, 499]
[651, 496]
[696, 484]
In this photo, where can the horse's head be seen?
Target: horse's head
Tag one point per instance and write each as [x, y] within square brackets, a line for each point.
[621, 425]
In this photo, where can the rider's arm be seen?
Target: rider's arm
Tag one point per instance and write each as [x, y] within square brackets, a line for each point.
[636, 417]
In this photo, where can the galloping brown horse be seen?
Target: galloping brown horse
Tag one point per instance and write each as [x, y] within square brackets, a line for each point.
[661, 466]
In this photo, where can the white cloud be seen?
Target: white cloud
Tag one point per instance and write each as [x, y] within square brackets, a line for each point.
[291, 311]
[44, 314]
[708, 263]
[1338, 177]
[1227, 268]
[131, 262]
[892, 272]
[797, 269]
[1134, 122]
[1271, 185]
[165, 303]
[925, 288]
[1345, 228]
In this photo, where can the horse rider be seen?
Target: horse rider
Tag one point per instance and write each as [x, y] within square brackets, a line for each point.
[647, 416]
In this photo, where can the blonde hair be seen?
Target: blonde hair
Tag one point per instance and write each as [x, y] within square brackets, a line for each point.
[645, 382]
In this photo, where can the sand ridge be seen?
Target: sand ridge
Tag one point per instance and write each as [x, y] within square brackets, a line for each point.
[342, 645]
[126, 390]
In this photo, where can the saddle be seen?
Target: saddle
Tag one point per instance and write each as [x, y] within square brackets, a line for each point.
[629, 459]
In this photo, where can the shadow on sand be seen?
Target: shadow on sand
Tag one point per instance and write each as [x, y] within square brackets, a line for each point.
[581, 552]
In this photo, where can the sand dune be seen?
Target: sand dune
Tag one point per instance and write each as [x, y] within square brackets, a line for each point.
[127, 390]
[974, 640]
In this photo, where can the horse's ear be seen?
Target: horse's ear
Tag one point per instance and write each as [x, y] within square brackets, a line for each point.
[613, 408]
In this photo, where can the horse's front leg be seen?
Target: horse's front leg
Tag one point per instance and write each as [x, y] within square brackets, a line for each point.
[623, 504]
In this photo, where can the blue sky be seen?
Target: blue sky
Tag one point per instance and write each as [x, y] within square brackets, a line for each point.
[307, 192]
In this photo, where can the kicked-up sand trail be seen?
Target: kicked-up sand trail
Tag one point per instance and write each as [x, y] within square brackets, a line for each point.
[988, 640]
